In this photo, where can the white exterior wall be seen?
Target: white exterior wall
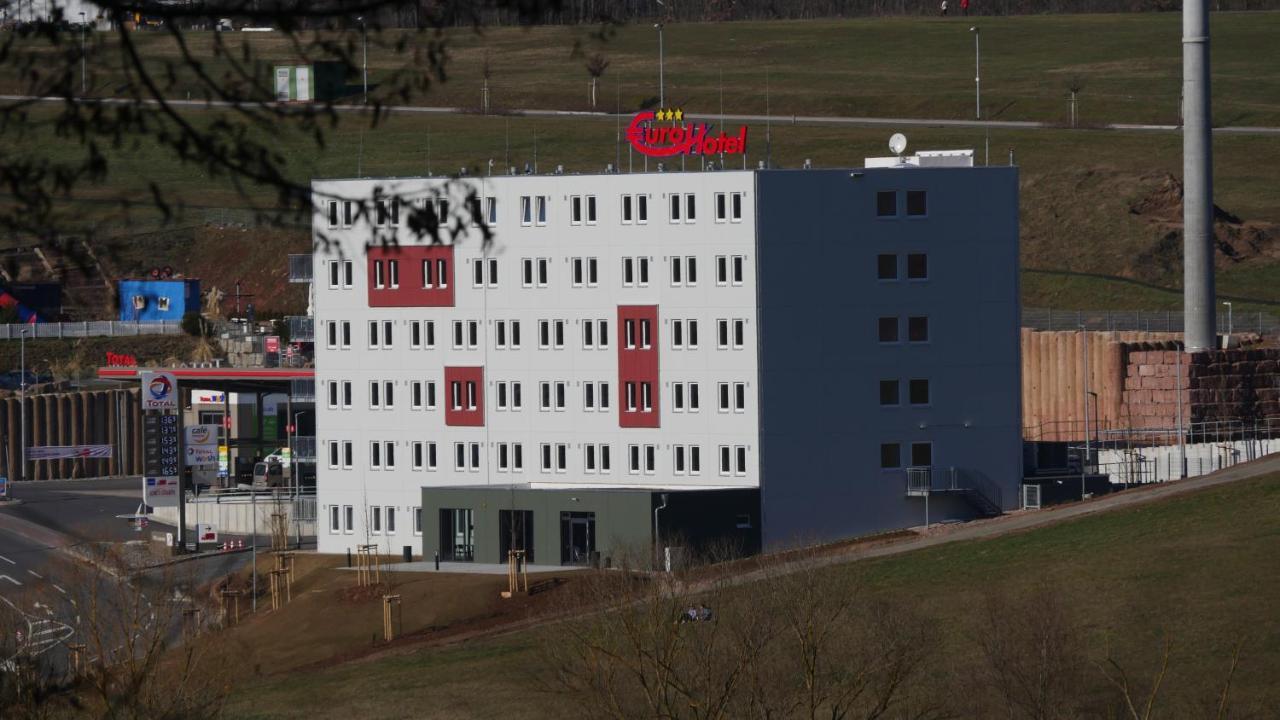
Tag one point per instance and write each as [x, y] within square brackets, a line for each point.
[609, 241]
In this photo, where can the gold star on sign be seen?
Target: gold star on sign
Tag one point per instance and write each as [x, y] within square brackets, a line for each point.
[664, 115]
[679, 115]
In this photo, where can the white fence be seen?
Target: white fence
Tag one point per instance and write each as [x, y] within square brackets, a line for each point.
[89, 328]
[1161, 463]
[234, 514]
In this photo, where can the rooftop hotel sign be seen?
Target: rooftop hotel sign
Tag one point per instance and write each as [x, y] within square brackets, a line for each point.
[649, 137]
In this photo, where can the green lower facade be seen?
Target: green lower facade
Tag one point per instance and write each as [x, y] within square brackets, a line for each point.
[606, 527]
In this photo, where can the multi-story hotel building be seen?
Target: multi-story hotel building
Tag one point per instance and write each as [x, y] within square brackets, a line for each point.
[768, 357]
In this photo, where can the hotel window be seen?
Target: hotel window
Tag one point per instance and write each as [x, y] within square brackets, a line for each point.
[415, 395]
[515, 334]
[562, 457]
[740, 467]
[688, 460]
[887, 203]
[916, 203]
[544, 396]
[722, 270]
[921, 454]
[591, 209]
[722, 334]
[628, 272]
[491, 210]
[333, 393]
[333, 274]
[417, 456]
[393, 270]
[333, 454]
[500, 334]
[544, 453]
[415, 334]
[917, 266]
[890, 456]
[642, 209]
[333, 215]
[334, 515]
[642, 277]
[379, 280]
[677, 334]
[593, 272]
[471, 395]
[588, 335]
[389, 455]
[430, 326]
[346, 334]
[427, 274]
[455, 395]
[650, 459]
[918, 329]
[431, 395]
[887, 267]
[888, 329]
[348, 213]
[739, 334]
[684, 271]
[739, 397]
[349, 516]
[391, 517]
[723, 391]
[457, 335]
[473, 334]
[375, 455]
[739, 261]
[735, 207]
[346, 394]
[558, 340]
[348, 273]
[544, 334]
[627, 201]
[602, 334]
[373, 335]
[722, 208]
[562, 389]
[646, 334]
[918, 391]
[477, 273]
[544, 270]
[684, 396]
[526, 210]
[589, 458]
[542, 209]
[387, 403]
[526, 272]
[889, 393]
[386, 334]
[726, 457]
[374, 391]
[348, 454]
[504, 457]
[690, 208]
[633, 459]
[646, 396]
[630, 389]
[516, 402]
[579, 273]
[575, 210]
[676, 206]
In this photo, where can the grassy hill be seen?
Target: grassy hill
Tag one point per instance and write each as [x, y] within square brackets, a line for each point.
[1197, 570]
[1100, 217]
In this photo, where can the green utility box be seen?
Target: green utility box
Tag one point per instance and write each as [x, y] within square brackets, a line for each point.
[322, 81]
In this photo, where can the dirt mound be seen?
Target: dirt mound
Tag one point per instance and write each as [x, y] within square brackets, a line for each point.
[1237, 240]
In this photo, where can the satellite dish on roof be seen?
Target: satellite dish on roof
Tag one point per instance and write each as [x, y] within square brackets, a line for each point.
[898, 143]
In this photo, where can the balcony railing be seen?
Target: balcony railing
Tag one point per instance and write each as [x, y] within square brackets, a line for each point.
[300, 268]
[303, 390]
[303, 448]
[302, 328]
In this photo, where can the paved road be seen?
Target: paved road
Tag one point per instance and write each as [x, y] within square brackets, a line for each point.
[52, 592]
[810, 120]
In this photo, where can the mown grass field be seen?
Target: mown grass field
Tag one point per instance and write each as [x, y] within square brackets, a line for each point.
[1082, 244]
[1129, 66]
[1198, 570]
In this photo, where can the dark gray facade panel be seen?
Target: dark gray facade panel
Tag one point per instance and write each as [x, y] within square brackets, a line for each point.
[623, 520]
[821, 359]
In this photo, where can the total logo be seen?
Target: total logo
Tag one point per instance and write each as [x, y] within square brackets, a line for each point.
[680, 138]
[159, 391]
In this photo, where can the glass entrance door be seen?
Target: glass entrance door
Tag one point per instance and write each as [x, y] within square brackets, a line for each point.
[577, 537]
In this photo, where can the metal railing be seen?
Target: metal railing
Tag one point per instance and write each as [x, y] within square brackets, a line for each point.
[303, 390]
[302, 328]
[923, 480]
[89, 328]
[303, 448]
[1140, 320]
[300, 268]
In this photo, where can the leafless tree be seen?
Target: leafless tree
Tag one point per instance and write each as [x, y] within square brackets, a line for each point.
[596, 65]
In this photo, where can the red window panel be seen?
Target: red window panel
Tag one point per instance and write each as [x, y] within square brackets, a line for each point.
[424, 275]
[464, 396]
[638, 366]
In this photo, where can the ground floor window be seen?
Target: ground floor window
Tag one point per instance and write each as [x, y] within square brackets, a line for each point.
[349, 514]
[334, 519]
[577, 537]
[457, 534]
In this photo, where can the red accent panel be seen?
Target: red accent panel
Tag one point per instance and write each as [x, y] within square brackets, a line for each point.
[637, 365]
[412, 290]
[469, 380]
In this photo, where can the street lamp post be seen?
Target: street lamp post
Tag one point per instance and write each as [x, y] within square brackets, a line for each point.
[22, 401]
[977, 70]
[364, 55]
[662, 85]
[84, 74]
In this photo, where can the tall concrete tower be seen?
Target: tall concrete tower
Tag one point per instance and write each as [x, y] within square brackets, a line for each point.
[1197, 179]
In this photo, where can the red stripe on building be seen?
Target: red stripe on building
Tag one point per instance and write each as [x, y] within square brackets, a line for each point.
[411, 276]
[464, 396]
[638, 366]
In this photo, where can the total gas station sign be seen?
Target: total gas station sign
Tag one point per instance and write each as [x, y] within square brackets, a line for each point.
[664, 133]
[159, 391]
